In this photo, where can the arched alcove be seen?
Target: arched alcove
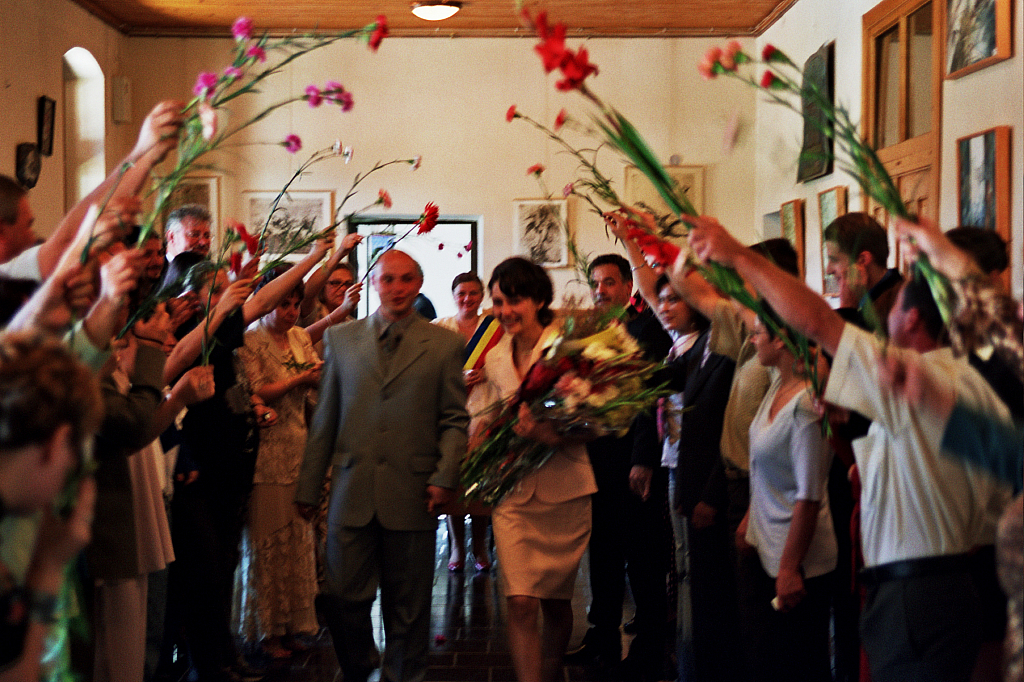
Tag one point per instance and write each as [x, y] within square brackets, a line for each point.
[84, 125]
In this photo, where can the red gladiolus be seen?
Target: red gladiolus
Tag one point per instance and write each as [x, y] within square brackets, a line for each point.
[292, 143]
[380, 32]
[535, 169]
[384, 198]
[552, 48]
[242, 29]
[205, 83]
[575, 68]
[251, 241]
[560, 119]
[658, 251]
[313, 96]
[511, 113]
[429, 218]
[256, 52]
[235, 262]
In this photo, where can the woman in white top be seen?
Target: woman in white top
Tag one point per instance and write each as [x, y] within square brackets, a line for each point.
[789, 523]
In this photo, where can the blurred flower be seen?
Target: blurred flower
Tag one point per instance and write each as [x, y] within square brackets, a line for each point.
[257, 53]
[242, 29]
[347, 153]
[380, 32]
[416, 161]
[292, 143]
[313, 96]
[440, 247]
[384, 198]
[535, 169]
[711, 60]
[205, 84]
[232, 73]
[730, 55]
[769, 81]
[235, 262]
[575, 68]
[345, 101]
[552, 47]
[659, 252]
[468, 247]
[511, 113]
[560, 119]
[251, 241]
[428, 220]
[208, 117]
[567, 190]
[336, 148]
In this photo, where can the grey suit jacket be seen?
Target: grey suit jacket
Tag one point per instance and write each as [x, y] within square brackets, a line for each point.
[389, 433]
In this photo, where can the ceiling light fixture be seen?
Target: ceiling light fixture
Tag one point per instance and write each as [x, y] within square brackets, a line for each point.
[436, 10]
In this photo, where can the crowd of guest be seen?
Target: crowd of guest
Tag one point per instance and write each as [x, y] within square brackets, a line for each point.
[226, 470]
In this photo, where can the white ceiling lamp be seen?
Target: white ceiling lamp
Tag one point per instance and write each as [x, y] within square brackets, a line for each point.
[436, 10]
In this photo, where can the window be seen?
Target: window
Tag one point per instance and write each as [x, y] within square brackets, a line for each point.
[84, 125]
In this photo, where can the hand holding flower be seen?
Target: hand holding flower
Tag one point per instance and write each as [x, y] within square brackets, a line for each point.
[711, 242]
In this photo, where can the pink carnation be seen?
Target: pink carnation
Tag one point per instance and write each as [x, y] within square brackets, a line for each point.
[292, 143]
[242, 29]
[232, 73]
[313, 96]
[206, 82]
[256, 52]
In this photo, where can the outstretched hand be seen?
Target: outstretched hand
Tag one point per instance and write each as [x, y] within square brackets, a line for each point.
[159, 132]
[712, 242]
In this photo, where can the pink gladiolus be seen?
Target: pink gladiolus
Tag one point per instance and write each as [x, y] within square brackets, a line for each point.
[313, 96]
[560, 119]
[232, 73]
[257, 53]
[511, 113]
[292, 143]
[205, 83]
[242, 29]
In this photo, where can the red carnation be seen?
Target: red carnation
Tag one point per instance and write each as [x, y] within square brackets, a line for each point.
[535, 169]
[251, 241]
[511, 113]
[768, 53]
[660, 252]
[539, 380]
[429, 219]
[769, 81]
[235, 262]
[560, 119]
[380, 32]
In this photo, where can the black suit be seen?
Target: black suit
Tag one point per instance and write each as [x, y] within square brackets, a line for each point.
[630, 533]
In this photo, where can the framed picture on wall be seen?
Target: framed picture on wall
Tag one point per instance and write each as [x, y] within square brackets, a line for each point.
[539, 228]
[983, 180]
[978, 34]
[203, 190]
[45, 118]
[816, 152]
[638, 190]
[299, 214]
[791, 218]
[831, 205]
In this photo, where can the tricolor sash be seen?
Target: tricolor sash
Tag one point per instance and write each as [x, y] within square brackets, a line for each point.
[487, 334]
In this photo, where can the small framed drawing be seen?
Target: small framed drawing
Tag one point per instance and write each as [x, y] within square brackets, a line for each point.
[638, 190]
[791, 218]
[299, 214]
[983, 180]
[44, 123]
[978, 34]
[540, 229]
[831, 205]
[201, 190]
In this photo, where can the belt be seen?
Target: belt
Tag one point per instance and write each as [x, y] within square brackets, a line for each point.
[916, 568]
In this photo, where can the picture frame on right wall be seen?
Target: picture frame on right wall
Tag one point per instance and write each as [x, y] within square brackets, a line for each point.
[791, 218]
[831, 205]
[983, 180]
[978, 34]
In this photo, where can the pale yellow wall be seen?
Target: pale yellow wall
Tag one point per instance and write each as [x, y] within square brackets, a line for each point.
[446, 100]
[971, 104]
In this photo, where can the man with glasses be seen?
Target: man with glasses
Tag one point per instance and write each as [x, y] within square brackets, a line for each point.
[188, 229]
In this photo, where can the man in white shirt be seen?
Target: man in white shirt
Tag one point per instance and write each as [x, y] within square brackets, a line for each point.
[921, 511]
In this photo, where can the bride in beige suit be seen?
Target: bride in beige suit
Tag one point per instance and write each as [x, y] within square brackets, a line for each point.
[540, 529]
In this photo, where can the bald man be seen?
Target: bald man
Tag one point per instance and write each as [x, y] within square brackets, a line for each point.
[392, 420]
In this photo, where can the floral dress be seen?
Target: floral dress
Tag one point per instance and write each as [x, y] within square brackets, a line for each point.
[277, 574]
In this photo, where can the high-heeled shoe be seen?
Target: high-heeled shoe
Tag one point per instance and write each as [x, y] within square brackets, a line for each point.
[456, 566]
[482, 566]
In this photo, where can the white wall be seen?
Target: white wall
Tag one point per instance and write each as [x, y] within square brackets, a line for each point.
[972, 103]
[37, 33]
[446, 100]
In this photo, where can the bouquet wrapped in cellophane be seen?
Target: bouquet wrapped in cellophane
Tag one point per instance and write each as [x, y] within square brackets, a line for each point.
[592, 380]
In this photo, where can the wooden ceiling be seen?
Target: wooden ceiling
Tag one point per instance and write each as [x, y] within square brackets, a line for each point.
[478, 18]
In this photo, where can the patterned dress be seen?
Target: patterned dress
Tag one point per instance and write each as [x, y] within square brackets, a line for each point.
[277, 573]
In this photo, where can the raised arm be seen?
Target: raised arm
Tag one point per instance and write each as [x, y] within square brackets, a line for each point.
[267, 298]
[643, 275]
[316, 281]
[798, 305]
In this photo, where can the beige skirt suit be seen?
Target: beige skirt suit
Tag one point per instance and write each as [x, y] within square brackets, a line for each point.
[542, 527]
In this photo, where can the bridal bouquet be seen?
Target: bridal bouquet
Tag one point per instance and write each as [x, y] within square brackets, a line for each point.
[591, 381]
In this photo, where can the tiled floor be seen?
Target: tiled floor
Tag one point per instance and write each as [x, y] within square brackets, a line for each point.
[467, 630]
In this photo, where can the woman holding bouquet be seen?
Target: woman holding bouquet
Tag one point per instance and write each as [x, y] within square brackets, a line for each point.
[282, 369]
[481, 332]
[789, 523]
[542, 527]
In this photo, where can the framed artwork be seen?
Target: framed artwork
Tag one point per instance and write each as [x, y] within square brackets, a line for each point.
[983, 180]
[203, 190]
[638, 190]
[44, 122]
[27, 164]
[539, 230]
[978, 34]
[831, 205]
[791, 218]
[298, 214]
[816, 152]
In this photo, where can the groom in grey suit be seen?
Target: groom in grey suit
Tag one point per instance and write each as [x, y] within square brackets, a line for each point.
[392, 420]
